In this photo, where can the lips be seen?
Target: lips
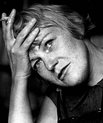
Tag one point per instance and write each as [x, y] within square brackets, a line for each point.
[62, 72]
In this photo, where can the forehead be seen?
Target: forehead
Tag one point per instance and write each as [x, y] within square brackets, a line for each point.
[48, 30]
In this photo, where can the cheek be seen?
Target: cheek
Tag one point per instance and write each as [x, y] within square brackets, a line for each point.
[78, 72]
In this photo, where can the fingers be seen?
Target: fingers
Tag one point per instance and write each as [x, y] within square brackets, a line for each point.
[10, 24]
[4, 25]
[30, 38]
[7, 24]
[23, 34]
[24, 39]
[32, 55]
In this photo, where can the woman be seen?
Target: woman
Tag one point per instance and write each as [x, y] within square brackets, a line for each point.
[50, 39]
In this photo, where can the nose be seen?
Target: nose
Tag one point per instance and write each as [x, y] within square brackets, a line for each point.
[49, 60]
[50, 64]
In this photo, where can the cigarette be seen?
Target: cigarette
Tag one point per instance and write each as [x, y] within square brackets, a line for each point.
[4, 19]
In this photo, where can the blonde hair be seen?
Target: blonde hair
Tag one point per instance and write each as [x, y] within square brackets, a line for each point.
[56, 14]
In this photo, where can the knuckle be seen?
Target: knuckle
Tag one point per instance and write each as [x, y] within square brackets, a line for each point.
[32, 22]
[13, 50]
[7, 46]
[16, 51]
[22, 34]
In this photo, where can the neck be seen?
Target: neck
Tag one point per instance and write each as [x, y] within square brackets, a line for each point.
[96, 63]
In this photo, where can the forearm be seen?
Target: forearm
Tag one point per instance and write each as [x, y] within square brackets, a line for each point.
[19, 111]
[17, 48]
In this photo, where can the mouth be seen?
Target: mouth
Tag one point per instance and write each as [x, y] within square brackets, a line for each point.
[63, 72]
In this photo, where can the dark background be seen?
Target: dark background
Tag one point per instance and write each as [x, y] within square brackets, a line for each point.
[92, 7]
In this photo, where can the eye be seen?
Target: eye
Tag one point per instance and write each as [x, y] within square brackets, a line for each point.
[48, 45]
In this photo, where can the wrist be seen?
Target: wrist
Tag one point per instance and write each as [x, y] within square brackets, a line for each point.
[19, 83]
[20, 80]
[20, 76]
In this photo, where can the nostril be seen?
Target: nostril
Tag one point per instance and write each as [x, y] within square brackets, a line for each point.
[53, 69]
[52, 65]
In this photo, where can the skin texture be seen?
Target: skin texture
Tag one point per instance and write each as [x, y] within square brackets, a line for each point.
[17, 48]
[20, 67]
[56, 50]
[57, 57]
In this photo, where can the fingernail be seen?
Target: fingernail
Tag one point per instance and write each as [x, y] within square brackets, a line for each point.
[37, 29]
[33, 20]
[13, 10]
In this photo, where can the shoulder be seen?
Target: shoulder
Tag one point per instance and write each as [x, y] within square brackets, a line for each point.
[48, 113]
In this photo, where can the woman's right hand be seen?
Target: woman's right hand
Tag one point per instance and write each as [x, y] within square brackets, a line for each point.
[17, 48]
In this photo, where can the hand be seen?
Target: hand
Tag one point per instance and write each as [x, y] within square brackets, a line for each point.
[17, 48]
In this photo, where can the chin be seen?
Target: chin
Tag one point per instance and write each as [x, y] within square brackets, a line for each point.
[75, 79]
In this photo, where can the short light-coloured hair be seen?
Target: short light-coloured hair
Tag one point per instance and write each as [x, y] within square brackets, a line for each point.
[51, 14]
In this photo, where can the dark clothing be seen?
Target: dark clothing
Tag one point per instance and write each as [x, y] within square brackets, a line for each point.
[78, 104]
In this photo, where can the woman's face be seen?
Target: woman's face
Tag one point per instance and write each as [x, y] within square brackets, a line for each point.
[58, 57]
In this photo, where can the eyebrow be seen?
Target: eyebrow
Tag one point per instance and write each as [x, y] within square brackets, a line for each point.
[38, 42]
[46, 35]
[44, 26]
[47, 26]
